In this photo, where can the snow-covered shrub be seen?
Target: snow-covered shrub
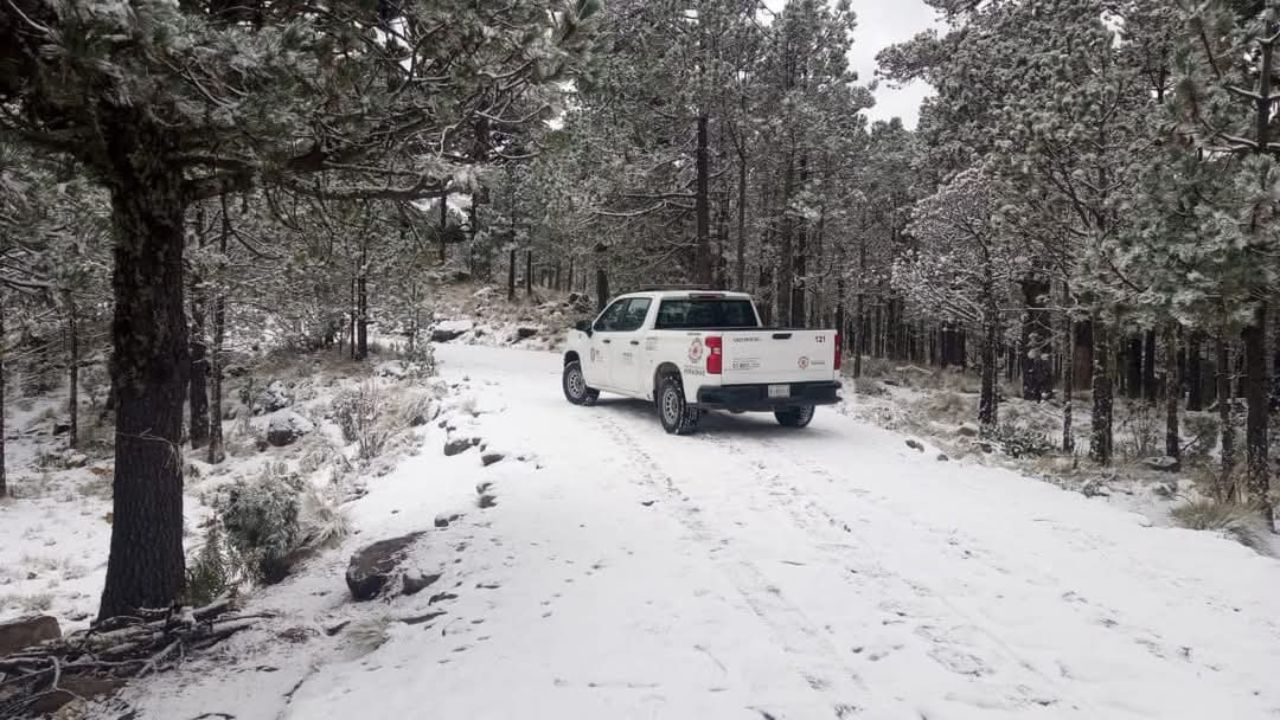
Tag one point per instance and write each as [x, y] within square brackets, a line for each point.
[371, 418]
[1141, 431]
[1202, 430]
[214, 571]
[869, 387]
[324, 523]
[261, 517]
[1238, 522]
[1017, 441]
[947, 406]
[356, 409]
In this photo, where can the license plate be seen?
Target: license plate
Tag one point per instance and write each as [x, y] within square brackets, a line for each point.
[779, 391]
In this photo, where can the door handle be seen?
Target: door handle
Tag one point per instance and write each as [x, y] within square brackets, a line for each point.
[607, 341]
[635, 342]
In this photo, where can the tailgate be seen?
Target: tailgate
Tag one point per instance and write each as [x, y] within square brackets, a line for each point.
[778, 356]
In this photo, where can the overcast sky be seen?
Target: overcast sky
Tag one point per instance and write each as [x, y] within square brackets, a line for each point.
[882, 23]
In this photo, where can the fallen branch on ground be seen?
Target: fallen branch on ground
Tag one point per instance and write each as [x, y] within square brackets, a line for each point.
[99, 660]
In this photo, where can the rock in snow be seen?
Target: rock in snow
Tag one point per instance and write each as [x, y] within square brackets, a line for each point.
[372, 568]
[1163, 464]
[24, 632]
[286, 427]
[274, 397]
[915, 445]
[458, 446]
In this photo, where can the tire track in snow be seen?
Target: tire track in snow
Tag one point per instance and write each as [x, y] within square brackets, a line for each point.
[822, 666]
[957, 657]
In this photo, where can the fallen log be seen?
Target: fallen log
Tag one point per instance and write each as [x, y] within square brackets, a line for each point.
[98, 661]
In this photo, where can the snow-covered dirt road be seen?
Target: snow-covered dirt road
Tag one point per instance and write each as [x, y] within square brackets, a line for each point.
[756, 572]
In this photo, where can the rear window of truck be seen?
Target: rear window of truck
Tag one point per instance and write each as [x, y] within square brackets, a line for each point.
[705, 314]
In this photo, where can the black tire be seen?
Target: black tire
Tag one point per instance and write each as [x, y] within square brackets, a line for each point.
[575, 385]
[676, 415]
[795, 417]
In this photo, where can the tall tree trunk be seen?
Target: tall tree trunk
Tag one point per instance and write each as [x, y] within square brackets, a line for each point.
[1226, 424]
[569, 280]
[146, 567]
[1195, 371]
[73, 370]
[740, 271]
[1100, 443]
[1257, 399]
[1037, 333]
[1133, 362]
[528, 273]
[355, 312]
[216, 454]
[602, 289]
[4, 349]
[702, 203]
[362, 304]
[197, 395]
[786, 255]
[1082, 360]
[1068, 392]
[1173, 394]
[1149, 366]
[988, 402]
[511, 275]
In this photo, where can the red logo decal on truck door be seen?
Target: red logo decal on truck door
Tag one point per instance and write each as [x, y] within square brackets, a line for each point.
[803, 362]
[695, 350]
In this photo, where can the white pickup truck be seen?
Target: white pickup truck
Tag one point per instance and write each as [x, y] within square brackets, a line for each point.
[694, 351]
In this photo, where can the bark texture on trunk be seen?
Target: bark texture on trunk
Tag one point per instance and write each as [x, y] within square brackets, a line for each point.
[148, 371]
[197, 386]
[1226, 425]
[702, 270]
[4, 483]
[1195, 372]
[1037, 334]
[1257, 399]
[1100, 444]
[1173, 394]
[73, 372]
[1068, 393]
[511, 275]
[602, 289]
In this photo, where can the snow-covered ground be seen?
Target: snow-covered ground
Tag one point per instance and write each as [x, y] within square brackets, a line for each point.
[746, 572]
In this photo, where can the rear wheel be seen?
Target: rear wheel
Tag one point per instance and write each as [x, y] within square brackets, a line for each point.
[676, 415]
[575, 385]
[795, 417]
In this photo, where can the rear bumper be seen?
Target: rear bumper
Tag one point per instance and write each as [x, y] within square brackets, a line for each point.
[755, 398]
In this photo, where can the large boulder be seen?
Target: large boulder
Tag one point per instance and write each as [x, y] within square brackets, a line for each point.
[372, 568]
[285, 427]
[24, 632]
[274, 397]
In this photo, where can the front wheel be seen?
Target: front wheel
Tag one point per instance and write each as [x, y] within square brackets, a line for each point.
[575, 385]
[795, 417]
[676, 415]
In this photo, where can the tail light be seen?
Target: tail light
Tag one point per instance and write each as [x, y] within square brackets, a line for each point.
[715, 355]
[839, 352]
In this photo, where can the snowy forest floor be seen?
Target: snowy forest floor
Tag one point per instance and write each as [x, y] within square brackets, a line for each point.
[602, 568]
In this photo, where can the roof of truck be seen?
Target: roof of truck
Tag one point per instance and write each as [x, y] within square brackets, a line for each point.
[662, 294]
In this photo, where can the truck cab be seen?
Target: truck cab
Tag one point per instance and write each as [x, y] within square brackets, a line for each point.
[691, 352]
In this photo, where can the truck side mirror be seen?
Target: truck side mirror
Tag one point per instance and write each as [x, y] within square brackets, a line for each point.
[583, 326]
